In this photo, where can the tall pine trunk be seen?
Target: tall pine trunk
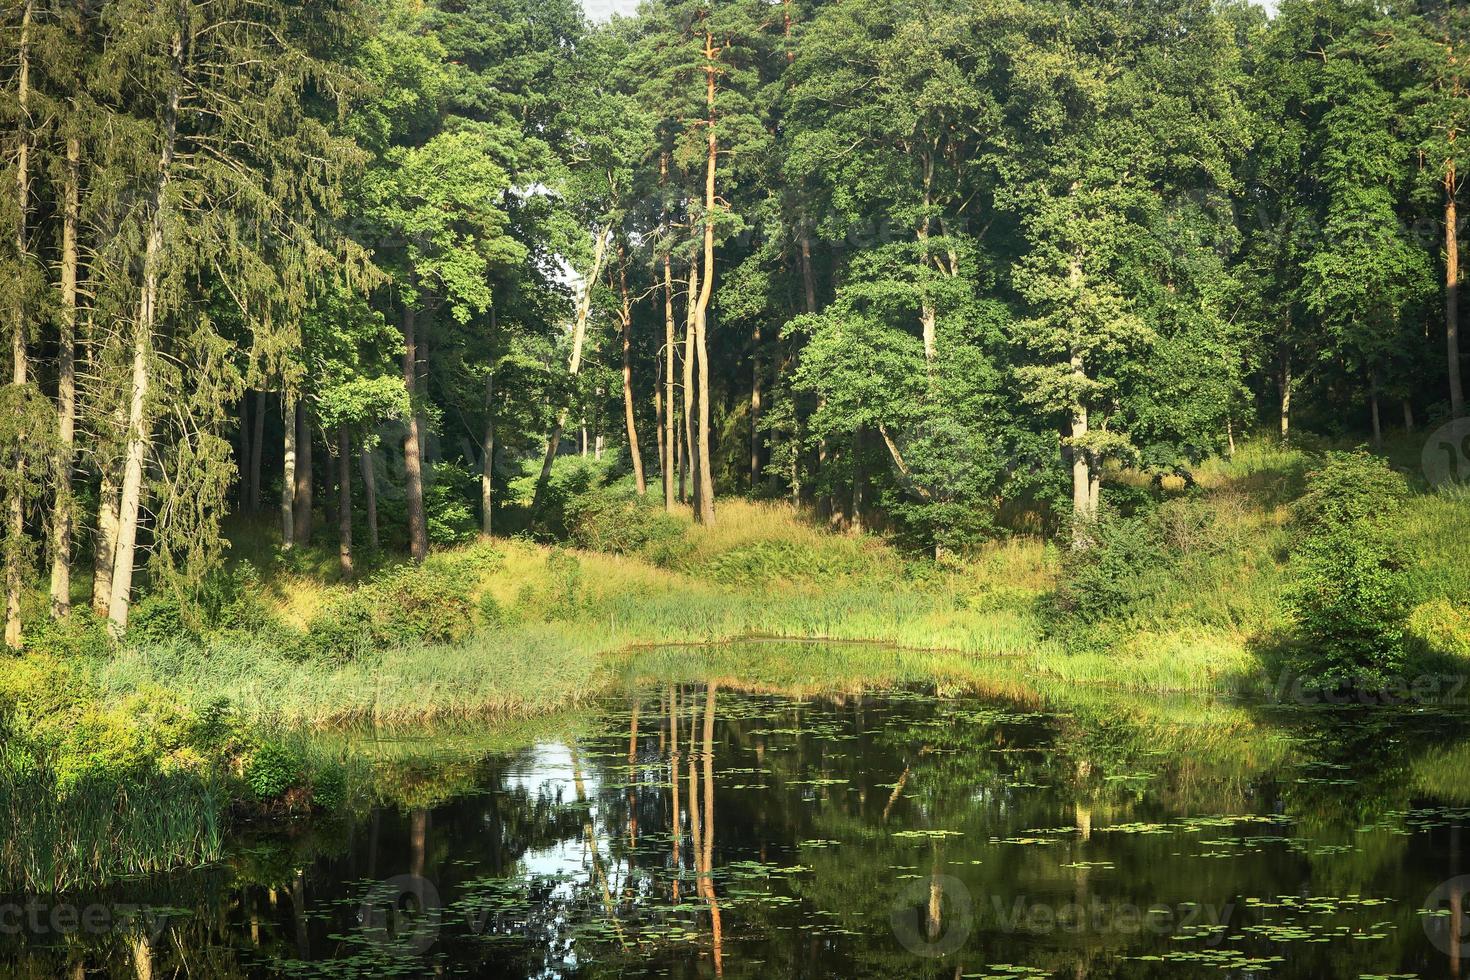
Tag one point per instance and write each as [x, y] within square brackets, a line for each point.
[418, 532]
[671, 451]
[625, 314]
[14, 572]
[130, 498]
[344, 501]
[487, 460]
[288, 469]
[1452, 293]
[705, 512]
[755, 407]
[66, 386]
[302, 511]
[1284, 393]
[105, 543]
[691, 358]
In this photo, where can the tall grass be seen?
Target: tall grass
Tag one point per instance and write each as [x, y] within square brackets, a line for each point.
[101, 829]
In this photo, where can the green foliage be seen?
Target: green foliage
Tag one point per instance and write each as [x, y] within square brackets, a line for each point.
[1349, 596]
[763, 562]
[1124, 565]
[431, 603]
[613, 521]
[274, 768]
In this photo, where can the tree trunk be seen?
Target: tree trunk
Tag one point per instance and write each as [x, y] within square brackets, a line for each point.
[131, 496]
[1082, 507]
[626, 316]
[579, 331]
[691, 358]
[705, 513]
[418, 532]
[487, 460]
[14, 573]
[105, 544]
[1452, 293]
[66, 386]
[370, 496]
[302, 511]
[288, 473]
[808, 280]
[1284, 389]
[1373, 406]
[855, 522]
[755, 408]
[1408, 416]
[256, 445]
[344, 501]
[242, 453]
[670, 439]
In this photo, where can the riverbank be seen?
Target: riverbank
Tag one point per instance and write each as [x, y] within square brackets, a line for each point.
[217, 706]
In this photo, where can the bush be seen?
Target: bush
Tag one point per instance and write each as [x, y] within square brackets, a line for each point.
[81, 634]
[773, 560]
[1349, 596]
[1121, 567]
[405, 605]
[605, 520]
[273, 769]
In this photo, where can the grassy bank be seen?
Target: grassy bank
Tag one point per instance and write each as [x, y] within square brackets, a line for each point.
[212, 706]
[514, 628]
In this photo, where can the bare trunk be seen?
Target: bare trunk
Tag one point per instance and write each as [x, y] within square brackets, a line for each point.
[370, 496]
[302, 511]
[691, 356]
[1408, 416]
[755, 408]
[14, 573]
[928, 316]
[105, 546]
[131, 496]
[1284, 389]
[288, 474]
[418, 532]
[1082, 497]
[487, 460]
[625, 314]
[705, 512]
[1229, 438]
[670, 439]
[66, 387]
[1452, 293]
[855, 523]
[344, 501]
[256, 446]
[579, 331]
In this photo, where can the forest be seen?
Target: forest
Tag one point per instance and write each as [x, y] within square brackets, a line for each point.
[996, 457]
[940, 271]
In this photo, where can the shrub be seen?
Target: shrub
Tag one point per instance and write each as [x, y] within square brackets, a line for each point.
[405, 605]
[604, 520]
[81, 634]
[273, 769]
[771, 560]
[1120, 568]
[1349, 596]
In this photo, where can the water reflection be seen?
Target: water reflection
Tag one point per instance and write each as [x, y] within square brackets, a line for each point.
[697, 829]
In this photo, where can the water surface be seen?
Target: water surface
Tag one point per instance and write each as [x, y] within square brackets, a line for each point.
[694, 829]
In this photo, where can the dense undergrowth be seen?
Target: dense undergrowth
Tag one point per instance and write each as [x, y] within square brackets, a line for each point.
[1224, 586]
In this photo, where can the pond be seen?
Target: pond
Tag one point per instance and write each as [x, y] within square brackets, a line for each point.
[696, 829]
